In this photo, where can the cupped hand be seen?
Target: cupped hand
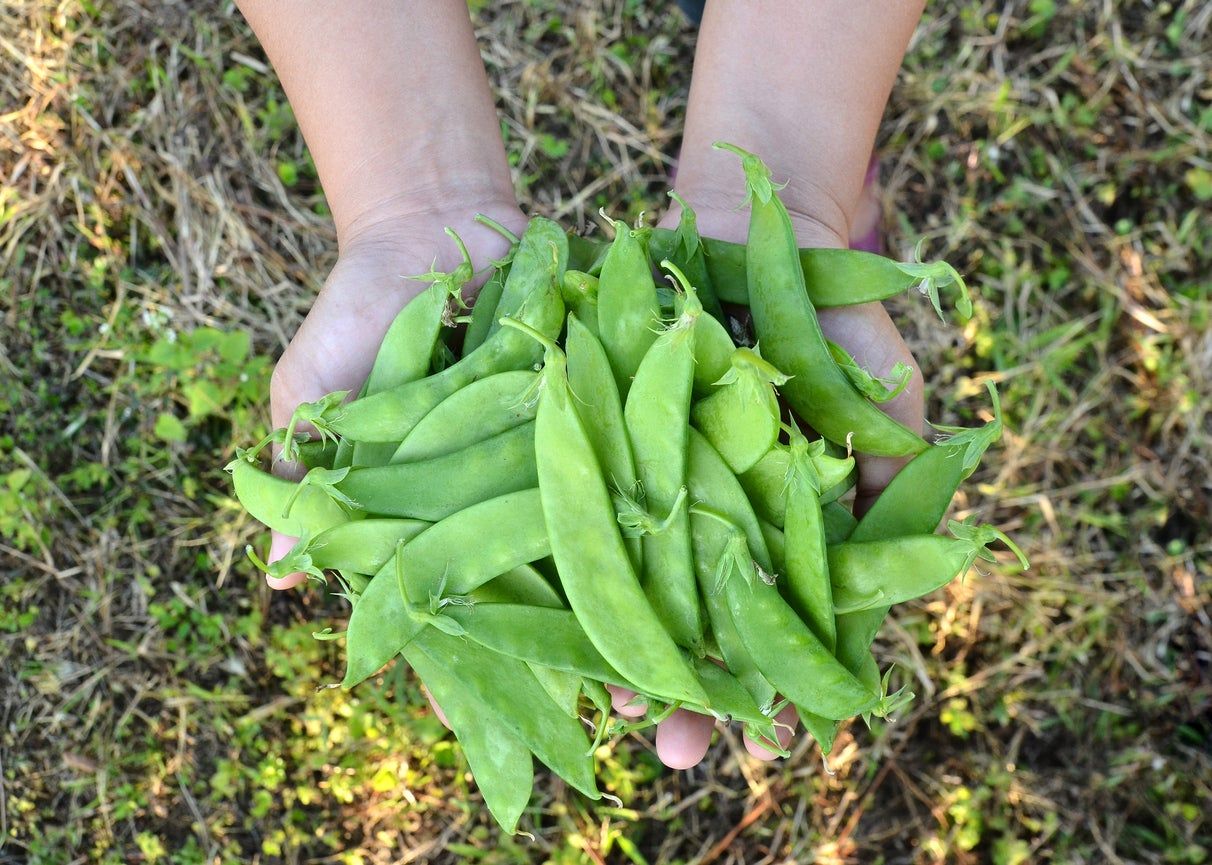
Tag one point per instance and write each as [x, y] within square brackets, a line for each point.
[868, 334]
[335, 345]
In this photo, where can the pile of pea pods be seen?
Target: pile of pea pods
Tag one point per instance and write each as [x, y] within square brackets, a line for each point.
[594, 477]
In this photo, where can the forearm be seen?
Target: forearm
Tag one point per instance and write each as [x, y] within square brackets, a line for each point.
[393, 101]
[803, 85]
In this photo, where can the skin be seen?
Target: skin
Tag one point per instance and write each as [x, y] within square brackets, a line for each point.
[394, 103]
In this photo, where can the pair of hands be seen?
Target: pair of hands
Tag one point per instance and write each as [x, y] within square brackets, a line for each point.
[335, 347]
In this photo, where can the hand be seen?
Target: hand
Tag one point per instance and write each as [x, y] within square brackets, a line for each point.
[335, 346]
[869, 335]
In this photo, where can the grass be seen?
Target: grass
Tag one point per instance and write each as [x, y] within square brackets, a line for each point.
[161, 233]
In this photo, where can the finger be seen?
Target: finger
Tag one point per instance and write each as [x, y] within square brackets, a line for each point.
[624, 702]
[870, 337]
[785, 731]
[279, 546]
[682, 739]
[437, 710]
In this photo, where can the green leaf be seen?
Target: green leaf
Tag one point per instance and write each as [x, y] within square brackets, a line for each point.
[169, 428]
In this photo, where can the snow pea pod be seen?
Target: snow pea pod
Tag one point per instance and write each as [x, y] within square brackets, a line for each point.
[580, 292]
[710, 480]
[499, 760]
[484, 310]
[766, 482]
[562, 687]
[710, 540]
[268, 498]
[538, 265]
[628, 311]
[551, 637]
[871, 574]
[588, 549]
[686, 252]
[509, 531]
[318, 453]
[914, 503]
[786, 650]
[392, 414]
[839, 523]
[433, 489]
[520, 585]
[791, 336]
[713, 349]
[657, 417]
[807, 587]
[597, 396]
[481, 410]
[741, 417]
[507, 688]
[362, 546]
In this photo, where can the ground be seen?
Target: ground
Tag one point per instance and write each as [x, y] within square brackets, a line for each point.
[161, 234]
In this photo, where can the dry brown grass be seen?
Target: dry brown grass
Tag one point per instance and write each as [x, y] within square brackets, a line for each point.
[152, 693]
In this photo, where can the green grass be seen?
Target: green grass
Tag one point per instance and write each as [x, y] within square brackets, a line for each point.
[162, 232]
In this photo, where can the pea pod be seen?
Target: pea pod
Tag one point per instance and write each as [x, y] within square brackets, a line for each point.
[588, 549]
[498, 759]
[508, 531]
[282, 505]
[713, 349]
[478, 412]
[508, 689]
[871, 574]
[790, 334]
[597, 396]
[318, 453]
[657, 418]
[580, 292]
[362, 546]
[628, 312]
[435, 488]
[538, 265]
[520, 585]
[686, 252]
[484, 310]
[562, 687]
[392, 414]
[741, 417]
[914, 503]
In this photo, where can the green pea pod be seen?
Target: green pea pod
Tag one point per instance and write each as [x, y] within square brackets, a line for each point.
[318, 453]
[839, 523]
[686, 253]
[284, 506]
[435, 488]
[657, 418]
[363, 546]
[563, 687]
[833, 277]
[807, 587]
[509, 531]
[549, 637]
[537, 266]
[580, 292]
[713, 349]
[585, 254]
[741, 418]
[588, 549]
[628, 312]
[499, 761]
[711, 481]
[914, 503]
[520, 585]
[597, 397]
[508, 689]
[710, 541]
[392, 414]
[872, 574]
[484, 310]
[791, 337]
[473, 414]
[411, 340]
